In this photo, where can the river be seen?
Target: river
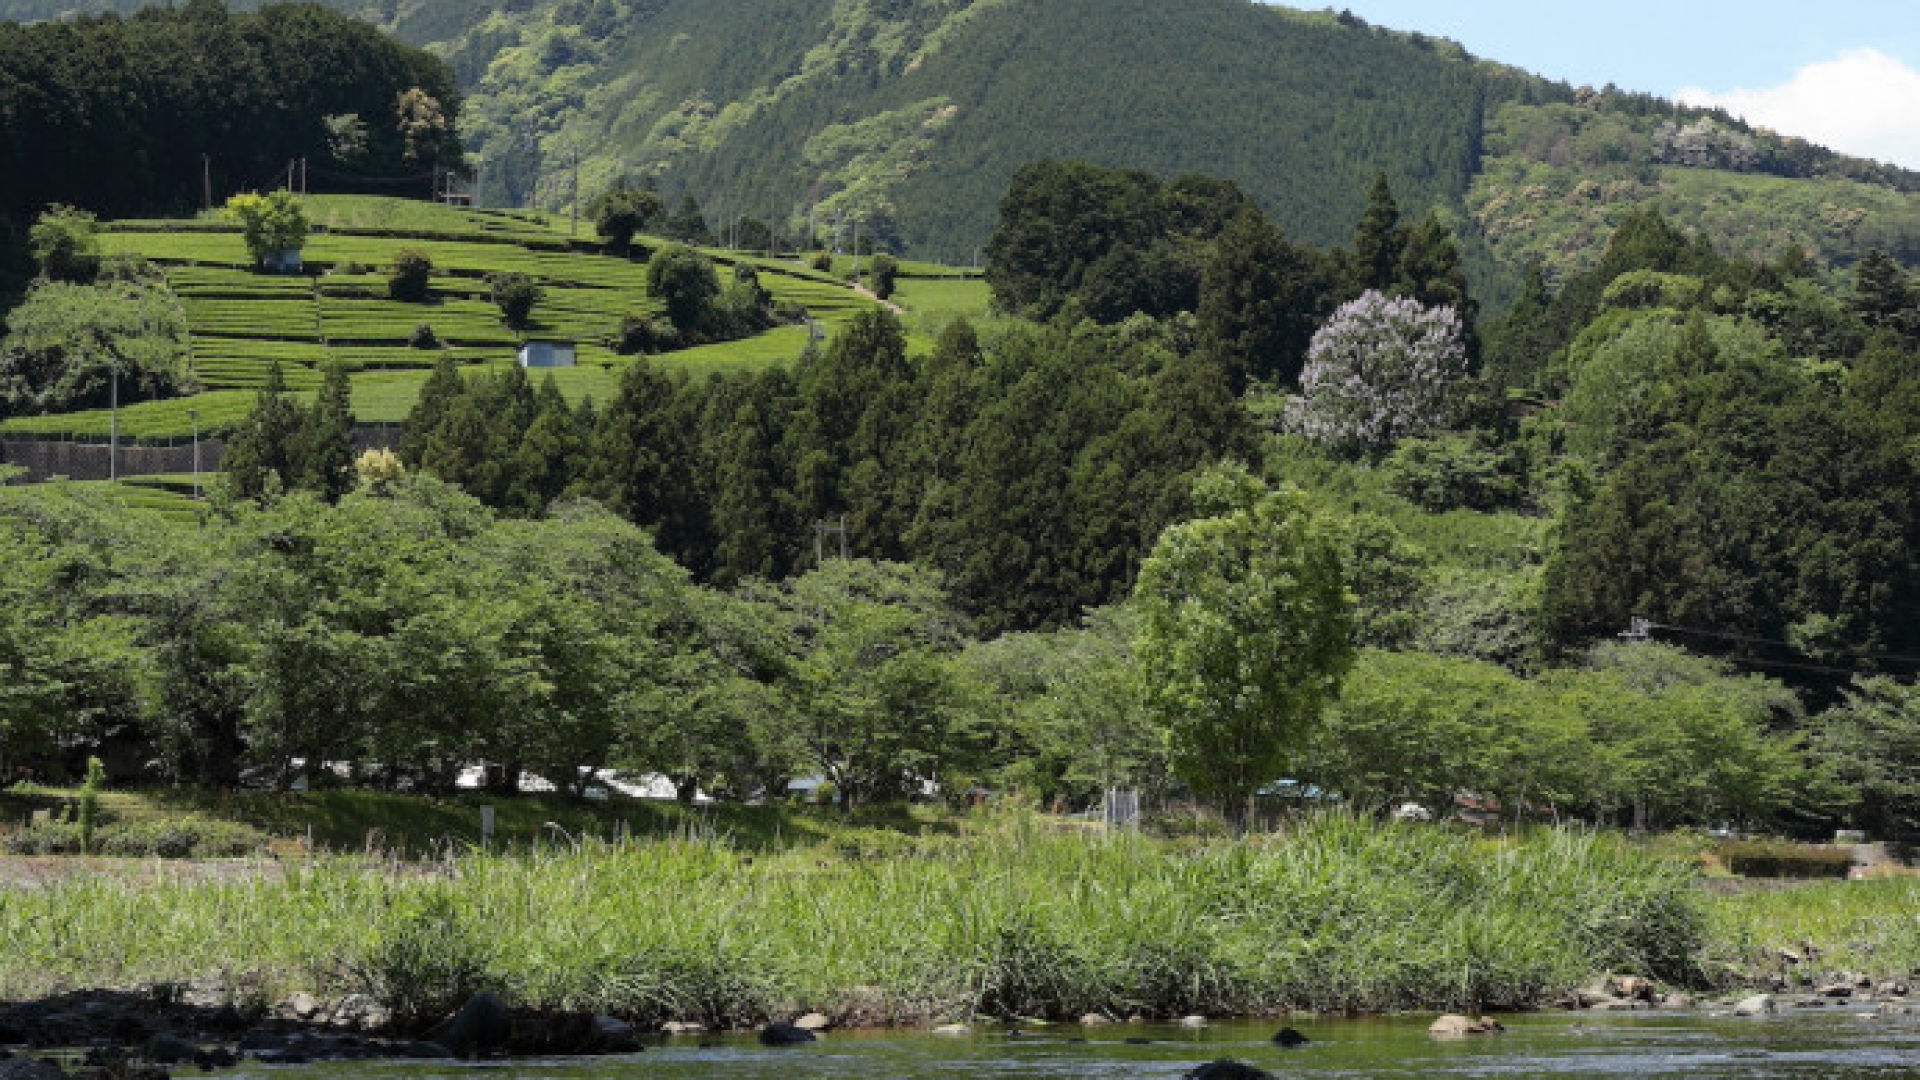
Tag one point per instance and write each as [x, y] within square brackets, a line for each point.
[1835, 1042]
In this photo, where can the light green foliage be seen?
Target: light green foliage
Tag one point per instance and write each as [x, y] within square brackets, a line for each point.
[66, 244]
[1070, 704]
[64, 343]
[1244, 634]
[1871, 742]
[685, 281]
[270, 224]
[873, 685]
[90, 803]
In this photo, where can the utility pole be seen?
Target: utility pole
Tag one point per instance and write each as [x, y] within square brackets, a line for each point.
[574, 229]
[194, 415]
[206, 181]
[113, 424]
[820, 531]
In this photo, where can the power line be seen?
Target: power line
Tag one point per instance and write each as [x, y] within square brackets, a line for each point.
[1642, 625]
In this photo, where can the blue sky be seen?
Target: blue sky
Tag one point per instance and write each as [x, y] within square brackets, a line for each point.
[1845, 73]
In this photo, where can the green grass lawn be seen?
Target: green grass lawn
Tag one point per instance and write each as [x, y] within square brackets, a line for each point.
[953, 297]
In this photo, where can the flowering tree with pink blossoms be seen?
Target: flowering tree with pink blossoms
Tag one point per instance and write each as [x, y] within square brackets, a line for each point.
[1380, 370]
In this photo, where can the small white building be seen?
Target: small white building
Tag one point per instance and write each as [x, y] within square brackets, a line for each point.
[548, 354]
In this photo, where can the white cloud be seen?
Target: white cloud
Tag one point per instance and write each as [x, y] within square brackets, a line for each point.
[1861, 102]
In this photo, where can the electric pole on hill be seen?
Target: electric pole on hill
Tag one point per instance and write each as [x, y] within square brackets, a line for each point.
[574, 228]
[820, 531]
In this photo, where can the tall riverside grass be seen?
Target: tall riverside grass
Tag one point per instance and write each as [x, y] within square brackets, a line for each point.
[1870, 926]
[1336, 914]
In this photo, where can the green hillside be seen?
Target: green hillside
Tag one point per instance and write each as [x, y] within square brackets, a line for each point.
[241, 322]
[911, 116]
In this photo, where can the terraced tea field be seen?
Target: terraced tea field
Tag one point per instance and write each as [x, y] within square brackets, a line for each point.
[243, 322]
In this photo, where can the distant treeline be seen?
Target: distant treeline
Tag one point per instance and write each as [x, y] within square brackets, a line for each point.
[143, 114]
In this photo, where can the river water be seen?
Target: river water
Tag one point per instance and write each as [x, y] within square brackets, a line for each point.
[1824, 1043]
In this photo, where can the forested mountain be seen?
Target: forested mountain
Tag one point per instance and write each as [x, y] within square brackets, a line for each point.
[911, 117]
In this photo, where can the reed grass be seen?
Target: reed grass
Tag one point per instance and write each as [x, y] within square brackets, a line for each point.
[1011, 919]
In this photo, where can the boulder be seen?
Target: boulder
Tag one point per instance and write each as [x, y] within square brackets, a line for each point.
[1757, 1005]
[814, 1021]
[170, 1050]
[1193, 1021]
[1454, 1025]
[1227, 1069]
[681, 1027]
[301, 1007]
[1094, 1020]
[1289, 1038]
[781, 1034]
[28, 1069]
[615, 1036]
[1835, 990]
[1631, 987]
[1676, 1002]
[420, 1049]
[952, 1029]
[481, 1025]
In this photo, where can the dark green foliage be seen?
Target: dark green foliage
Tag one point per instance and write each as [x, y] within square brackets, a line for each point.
[66, 244]
[412, 277]
[326, 449]
[516, 294]
[1784, 859]
[1456, 472]
[263, 454]
[154, 92]
[1260, 301]
[423, 337]
[622, 210]
[1885, 298]
[880, 275]
[685, 281]
[1380, 239]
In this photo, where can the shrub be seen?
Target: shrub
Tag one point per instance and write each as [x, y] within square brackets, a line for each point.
[1454, 473]
[66, 242]
[822, 261]
[1784, 859]
[161, 839]
[881, 274]
[640, 334]
[424, 338]
[685, 281]
[516, 294]
[424, 966]
[411, 278]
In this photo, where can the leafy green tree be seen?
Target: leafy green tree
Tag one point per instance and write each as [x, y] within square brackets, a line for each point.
[65, 342]
[621, 211]
[1245, 631]
[412, 278]
[1380, 240]
[263, 454]
[881, 273]
[66, 244]
[1259, 303]
[873, 686]
[686, 282]
[1885, 297]
[326, 450]
[1870, 742]
[270, 224]
[516, 294]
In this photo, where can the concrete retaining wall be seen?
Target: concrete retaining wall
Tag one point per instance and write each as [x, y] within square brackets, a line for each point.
[45, 459]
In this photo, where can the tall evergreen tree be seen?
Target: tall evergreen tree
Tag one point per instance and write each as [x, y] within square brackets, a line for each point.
[1380, 238]
[1259, 302]
[262, 456]
[326, 458]
[436, 396]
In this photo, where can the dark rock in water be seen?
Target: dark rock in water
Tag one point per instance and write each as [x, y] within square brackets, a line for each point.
[1227, 1069]
[780, 1034]
[170, 1050]
[1289, 1038]
[218, 1057]
[261, 1039]
[27, 1069]
[611, 1036]
[281, 1057]
[1137, 1041]
[481, 1025]
[226, 1018]
[422, 1050]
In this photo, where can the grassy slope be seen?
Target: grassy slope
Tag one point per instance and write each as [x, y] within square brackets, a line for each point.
[243, 321]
